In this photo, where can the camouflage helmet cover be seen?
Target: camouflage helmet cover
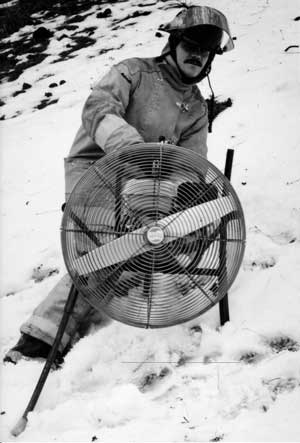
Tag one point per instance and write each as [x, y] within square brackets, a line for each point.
[193, 16]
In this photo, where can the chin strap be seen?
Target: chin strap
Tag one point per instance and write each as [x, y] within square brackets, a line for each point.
[211, 106]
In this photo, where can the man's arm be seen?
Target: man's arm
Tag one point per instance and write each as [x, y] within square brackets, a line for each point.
[104, 111]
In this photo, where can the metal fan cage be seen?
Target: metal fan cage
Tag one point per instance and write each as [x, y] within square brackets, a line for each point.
[153, 235]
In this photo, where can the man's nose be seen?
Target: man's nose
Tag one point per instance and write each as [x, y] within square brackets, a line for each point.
[197, 56]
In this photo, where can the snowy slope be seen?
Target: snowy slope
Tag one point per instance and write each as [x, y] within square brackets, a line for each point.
[236, 383]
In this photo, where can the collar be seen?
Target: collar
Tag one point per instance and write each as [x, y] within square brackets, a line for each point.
[172, 74]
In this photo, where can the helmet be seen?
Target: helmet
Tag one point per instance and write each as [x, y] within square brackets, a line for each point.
[201, 25]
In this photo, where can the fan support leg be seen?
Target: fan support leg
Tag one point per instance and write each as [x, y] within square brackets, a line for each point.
[224, 305]
[69, 306]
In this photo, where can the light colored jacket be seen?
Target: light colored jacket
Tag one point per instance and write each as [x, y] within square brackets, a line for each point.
[139, 100]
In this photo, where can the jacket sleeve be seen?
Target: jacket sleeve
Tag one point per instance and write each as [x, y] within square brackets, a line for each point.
[195, 137]
[104, 111]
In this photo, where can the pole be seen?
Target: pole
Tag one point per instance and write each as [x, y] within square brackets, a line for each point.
[223, 305]
[21, 424]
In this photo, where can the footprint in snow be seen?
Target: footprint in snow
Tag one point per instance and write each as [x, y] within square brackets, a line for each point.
[40, 273]
[217, 437]
[266, 263]
[280, 385]
[251, 357]
[277, 344]
[283, 343]
[152, 379]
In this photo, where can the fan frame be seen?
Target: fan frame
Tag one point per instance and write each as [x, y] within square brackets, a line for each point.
[223, 302]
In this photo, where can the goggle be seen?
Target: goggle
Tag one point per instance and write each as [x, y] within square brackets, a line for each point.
[193, 47]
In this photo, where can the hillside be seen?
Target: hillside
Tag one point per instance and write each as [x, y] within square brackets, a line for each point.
[240, 382]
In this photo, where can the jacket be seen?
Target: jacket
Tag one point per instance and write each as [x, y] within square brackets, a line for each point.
[138, 100]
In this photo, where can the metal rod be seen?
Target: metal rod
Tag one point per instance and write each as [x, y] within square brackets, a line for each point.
[228, 163]
[224, 304]
[118, 200]
[84, 228]
[21, 424]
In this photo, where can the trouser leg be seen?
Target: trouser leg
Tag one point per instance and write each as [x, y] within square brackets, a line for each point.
[45, 319]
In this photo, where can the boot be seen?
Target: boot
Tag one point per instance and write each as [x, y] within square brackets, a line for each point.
[31, 347]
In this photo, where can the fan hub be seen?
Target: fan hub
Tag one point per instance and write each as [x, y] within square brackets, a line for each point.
[155, 235]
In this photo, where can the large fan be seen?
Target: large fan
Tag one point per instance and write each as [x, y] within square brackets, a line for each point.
[153, 235]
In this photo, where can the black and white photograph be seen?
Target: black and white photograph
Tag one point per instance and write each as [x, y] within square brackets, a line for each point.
[150, 221]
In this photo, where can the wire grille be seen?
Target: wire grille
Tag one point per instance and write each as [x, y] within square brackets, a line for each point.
[153, 235]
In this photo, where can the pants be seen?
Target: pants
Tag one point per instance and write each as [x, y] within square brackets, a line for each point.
[45, 319]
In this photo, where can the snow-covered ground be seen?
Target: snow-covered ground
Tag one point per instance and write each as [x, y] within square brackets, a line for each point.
[240, 382]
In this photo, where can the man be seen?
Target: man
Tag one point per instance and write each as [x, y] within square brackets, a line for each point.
[139, 100]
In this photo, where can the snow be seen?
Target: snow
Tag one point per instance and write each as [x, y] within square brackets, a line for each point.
[239, 382]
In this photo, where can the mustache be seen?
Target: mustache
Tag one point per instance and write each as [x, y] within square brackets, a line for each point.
[194, 61]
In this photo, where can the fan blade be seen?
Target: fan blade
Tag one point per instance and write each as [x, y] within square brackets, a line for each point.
[185, 222]
[174, 226]
[116, 251]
